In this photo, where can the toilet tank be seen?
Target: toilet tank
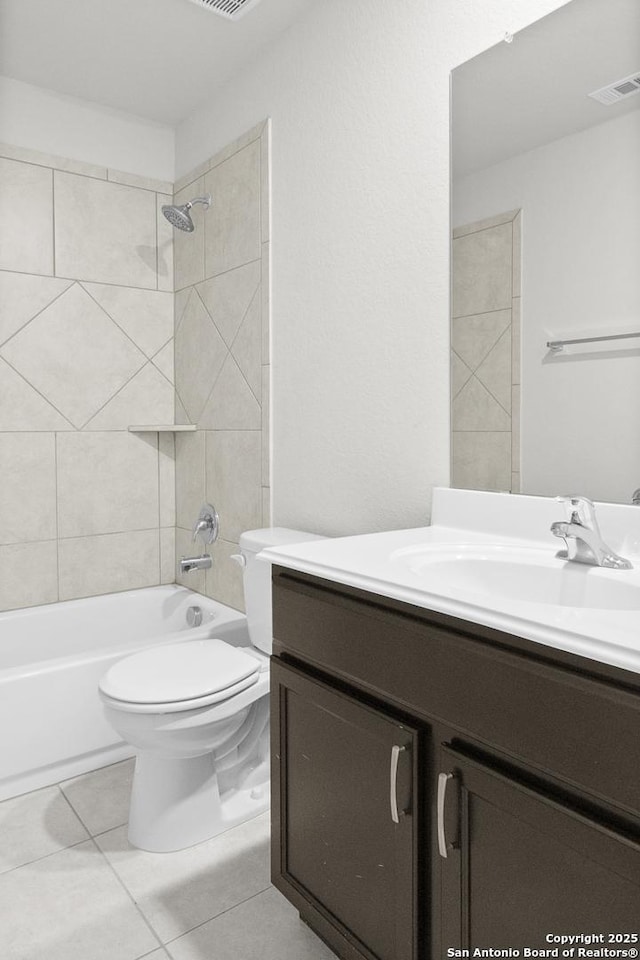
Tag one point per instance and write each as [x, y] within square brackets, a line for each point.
[257, 578]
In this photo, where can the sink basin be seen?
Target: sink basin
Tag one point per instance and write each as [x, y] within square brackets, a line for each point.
[526, 575]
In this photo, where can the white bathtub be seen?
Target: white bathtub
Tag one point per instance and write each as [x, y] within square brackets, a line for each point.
[51, 659]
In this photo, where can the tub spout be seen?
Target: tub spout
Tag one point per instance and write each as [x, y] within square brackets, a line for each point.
[191, 564]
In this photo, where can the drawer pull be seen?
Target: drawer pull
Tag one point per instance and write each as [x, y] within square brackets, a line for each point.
[443, 779]
[393, 782]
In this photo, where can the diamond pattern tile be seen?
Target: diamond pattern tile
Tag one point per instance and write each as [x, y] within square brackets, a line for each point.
[77, 381]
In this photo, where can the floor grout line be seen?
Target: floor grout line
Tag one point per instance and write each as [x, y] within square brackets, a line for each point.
[217, 915]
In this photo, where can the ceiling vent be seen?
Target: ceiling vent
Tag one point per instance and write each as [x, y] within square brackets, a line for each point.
[619, 90]
[229, 9]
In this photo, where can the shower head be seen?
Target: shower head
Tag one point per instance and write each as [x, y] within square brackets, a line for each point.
[179, 216]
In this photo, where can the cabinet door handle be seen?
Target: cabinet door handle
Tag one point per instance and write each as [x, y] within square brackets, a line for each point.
[443, 779]
[393, 782]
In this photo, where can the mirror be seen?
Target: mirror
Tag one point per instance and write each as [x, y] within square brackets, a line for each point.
[546, 248]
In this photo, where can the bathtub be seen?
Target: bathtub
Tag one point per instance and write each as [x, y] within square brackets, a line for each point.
[51, 659]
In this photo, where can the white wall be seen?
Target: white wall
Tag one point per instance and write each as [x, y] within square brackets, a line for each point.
[79, 130]
[580, 198]
[358, 94]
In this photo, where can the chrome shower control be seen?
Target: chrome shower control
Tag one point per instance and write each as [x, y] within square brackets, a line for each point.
[194, 616]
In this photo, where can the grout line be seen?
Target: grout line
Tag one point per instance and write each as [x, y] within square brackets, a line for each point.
[83, 280]
[222, 273]
[42, 309]
[217, 916]
[157, 242]
[482, 313]
[258, 293]
[73, 428]
[83, 428]
[113, 320]
[159, 511]
[129, 895]
[46, 856]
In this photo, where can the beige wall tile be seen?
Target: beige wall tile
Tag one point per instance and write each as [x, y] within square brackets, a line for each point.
[28, 501]
[482, 265]
[247, 347]
[188, 179]
[200, 354]
[190, 477]
[232, 405]
[234, 480]
[74, 355]
[146, 316]
[105, 232]
[476, 409]
[232, 233]
[51, 160]
[164, 360]
[188, 248]
[166, 232]
[229, 297]
[460, 373]
[168, 555]
[485, 224]
[494, 372]
[26, 217]
[473, 337]
[22, 296]
[255, 133]
[90, 566]
[135, 180]
[146, 398]
[517, 254]
[167, 479]
[28, 574]
[266, 507]
[481, 461]
[223, 581]
[23, 408]
[515, 483]
[185, 547]
[107, 483]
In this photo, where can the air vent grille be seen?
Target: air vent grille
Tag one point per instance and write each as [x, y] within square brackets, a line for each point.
[229, 9]
[619, 90]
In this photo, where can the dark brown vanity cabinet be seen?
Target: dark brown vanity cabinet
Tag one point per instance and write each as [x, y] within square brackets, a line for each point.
[347, 779]
[513, 772]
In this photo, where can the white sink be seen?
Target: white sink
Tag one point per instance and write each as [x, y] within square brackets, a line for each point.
[521, 574]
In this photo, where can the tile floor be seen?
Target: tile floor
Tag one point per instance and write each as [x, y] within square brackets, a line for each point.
[72, 888]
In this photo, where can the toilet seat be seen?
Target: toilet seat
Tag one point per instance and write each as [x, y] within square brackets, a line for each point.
[179, 676]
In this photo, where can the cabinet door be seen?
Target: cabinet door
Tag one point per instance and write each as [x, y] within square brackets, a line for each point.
[340, 771]
[520, 865]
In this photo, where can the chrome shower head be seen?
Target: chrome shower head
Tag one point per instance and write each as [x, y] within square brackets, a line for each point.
[179, 216]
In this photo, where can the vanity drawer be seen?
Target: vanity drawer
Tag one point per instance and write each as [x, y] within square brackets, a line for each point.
[558, 721]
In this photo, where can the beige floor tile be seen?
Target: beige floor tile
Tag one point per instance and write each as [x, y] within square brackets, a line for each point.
[101, 798]
[35, 825]
[70, 906]
[178, 891]
[266, 927]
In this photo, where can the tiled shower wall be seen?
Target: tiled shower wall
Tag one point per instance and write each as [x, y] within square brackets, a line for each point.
[86, 348]
[222, 357]
[485, 354]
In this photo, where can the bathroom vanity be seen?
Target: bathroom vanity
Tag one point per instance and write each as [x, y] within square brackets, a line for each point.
[442, 783]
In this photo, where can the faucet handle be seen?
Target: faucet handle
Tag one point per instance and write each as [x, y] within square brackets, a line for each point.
[580, 510]
[207, 525]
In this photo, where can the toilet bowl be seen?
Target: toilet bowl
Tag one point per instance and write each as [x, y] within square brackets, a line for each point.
[197, 713]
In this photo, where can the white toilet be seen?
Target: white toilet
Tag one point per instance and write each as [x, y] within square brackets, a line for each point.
[197, 713]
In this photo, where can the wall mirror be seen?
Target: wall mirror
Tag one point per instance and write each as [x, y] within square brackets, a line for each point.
[546, 248]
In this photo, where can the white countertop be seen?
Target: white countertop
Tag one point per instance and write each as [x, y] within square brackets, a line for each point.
[471, 518]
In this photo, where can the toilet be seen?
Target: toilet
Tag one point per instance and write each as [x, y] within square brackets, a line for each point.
[197, 712]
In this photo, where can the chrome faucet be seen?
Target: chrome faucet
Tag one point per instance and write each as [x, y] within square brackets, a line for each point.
[582, 536]
[205, 528]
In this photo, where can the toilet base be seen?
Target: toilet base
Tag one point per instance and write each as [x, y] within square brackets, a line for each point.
[176, 803]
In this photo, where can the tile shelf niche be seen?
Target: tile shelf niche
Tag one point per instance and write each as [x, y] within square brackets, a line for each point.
[161, 428]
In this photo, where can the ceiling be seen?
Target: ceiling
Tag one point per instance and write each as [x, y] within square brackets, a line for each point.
[159, 59]
[517, 96]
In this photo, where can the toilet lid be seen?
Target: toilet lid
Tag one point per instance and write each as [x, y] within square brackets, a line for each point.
[179, 671]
